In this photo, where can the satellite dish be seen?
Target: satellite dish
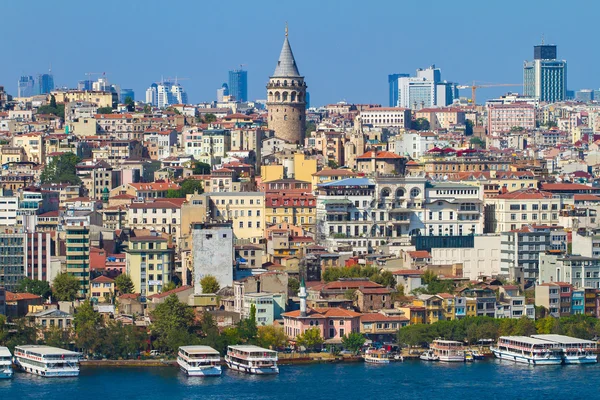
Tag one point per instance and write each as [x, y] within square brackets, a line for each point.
[445, 177]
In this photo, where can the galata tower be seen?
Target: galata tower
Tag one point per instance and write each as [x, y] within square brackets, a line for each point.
[286, 97]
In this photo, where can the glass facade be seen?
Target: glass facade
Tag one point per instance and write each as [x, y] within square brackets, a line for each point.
[238, 85]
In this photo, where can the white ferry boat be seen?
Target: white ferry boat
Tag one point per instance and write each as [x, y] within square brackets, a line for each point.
[527, 350]
[47, 361]
[252, 359]
[448, 350]
[575, 351]
[199, 361]
[5, 363]
[373, 356]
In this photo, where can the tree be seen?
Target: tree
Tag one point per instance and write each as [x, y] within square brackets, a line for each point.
[272, 337]
[129, 103]
[52, 101]
[468, 127]
[61, 169]
[57, 337]
[171, 324]
[209, 118]
[293, 286]
[87, 323]
[201, 168]
[354, 341]
[349, 294]
[247, 329]
[65, 287]
[105, 110]
[477, 141]
[420, 124]
[147, 109]
[333, 164]
[34, 286]
[310, 339]
[209, 284]
[124, 284]
[121, 341]
[169, 286]
[53, 108]
[310, 128]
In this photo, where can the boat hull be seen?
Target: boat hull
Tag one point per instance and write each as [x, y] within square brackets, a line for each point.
[209, 370]
[452, 358]
[526, 360]
[591, 359]
[6, 373]
[376, 360]
[252, 370]
[64, 373]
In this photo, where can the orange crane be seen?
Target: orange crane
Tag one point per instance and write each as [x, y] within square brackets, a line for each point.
[474, 88]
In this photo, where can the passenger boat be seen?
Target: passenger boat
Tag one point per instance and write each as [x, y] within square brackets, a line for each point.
[47, 361]
[429, 355]
[575, 351]
[477, 355]
[199, 361]
[448, 350]
[374, 356]
[252, 359]
[5, 363]
[527, 350]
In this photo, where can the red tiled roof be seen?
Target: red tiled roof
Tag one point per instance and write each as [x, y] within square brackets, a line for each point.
[376, 317]
[525, 194]
[409, 272]
[378, 154]
[586, 197]
[381, 290]
[419, 254]
[103, 279]
[567, 186]
[10, 296]
[170, 292]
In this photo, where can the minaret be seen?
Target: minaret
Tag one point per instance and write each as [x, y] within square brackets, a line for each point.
[286, 97]
[302, 295]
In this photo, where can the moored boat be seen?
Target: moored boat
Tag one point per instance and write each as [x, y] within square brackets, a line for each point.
[47, 361]
[5, 363]
[377, 356]
[469, 356]
[448, 350]
[477, 355]
[575, 351]
[199, 360]
[252, 359]
[429, 355]
[527, 350]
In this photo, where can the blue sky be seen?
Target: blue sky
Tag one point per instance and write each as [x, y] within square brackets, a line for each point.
[344, 48]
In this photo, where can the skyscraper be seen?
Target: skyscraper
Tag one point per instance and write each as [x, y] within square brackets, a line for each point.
[238, 85]
[425, 90]
[393, 88]
[286, 97]
[222, 92]
[545, 77]
[25, 86]
[166, 93]
[45, 83]
[152, 95]
[125, 93]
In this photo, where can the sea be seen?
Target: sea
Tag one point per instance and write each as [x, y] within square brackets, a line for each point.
[480, 380]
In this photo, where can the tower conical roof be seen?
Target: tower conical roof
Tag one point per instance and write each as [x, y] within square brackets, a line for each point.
[286, 66]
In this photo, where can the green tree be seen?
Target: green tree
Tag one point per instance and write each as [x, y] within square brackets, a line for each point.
[420, 124]
[147, 109]
[201, 168]
[124, 284]
[354, 341]
[477, 141]
[121, 341]
[105, 110]
[169, 286]
[129, 103]
[333, 164]
[209, 118]
[57, 337]
[52, 101]
[21, 331]
[53, 108]
[87, 323]
[310, 128]
[209, 284]
[34, 286]
[61, 169]
[247, 329]
[65, 287]
[190, 186]
[272, 337]
[293, 286]
[310, 339]
[172, 321]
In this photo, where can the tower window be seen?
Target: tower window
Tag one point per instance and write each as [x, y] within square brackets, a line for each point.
[285, 117]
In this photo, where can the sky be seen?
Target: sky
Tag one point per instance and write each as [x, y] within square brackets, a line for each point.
[345, 49]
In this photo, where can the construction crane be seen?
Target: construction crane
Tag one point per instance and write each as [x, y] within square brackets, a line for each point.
[474, 88]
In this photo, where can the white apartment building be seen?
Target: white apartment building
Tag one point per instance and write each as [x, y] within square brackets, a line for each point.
[415, 144]
[453, 209]
[386, 117]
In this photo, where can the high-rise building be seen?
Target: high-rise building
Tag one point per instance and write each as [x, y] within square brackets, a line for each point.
[77, 245]
[425, 90]
[178, 94]
[152, 95]
[166, 93]
[222, 92]
[45, 83]
[585, 95]
[238, 85]
[393, 88]
[125, 93]
[26, 86]
[85, 84]
[286, 97]
[545, 78]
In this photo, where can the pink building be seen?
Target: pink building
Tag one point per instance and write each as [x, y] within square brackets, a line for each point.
[503, 117]
[334, 323]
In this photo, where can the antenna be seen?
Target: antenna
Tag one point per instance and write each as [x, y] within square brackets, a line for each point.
[542, 38]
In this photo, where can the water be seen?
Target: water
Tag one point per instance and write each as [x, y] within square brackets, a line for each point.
[483, 380]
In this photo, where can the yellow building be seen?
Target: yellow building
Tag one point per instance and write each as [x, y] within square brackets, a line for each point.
[9, 154]
[101, 99]
[448, 304]
[271, 172]
[330, 175]
[245, 210]
[471, 307]
[415, 314]
[434, 307]
[32, 144]
[304, 168]
[102, 289]
[150, 263]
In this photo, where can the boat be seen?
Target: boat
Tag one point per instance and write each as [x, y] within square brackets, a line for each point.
[199, 360]
[527, 350]
[398, 357]
[448, 350]
[374, 356]
[47, 361]
[5, 363]
[429, 355]
[469, 356]
[575, 351]
[477, 355]
[252, 359]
